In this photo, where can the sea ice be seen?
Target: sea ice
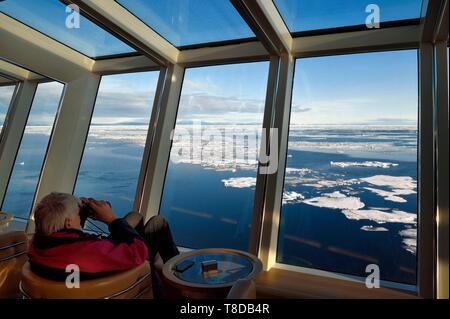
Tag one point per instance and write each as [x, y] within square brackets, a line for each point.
[373, 229]
[363, 164]
[300, 171]
[394, 182]
[292, 197]
[399, 185]
[240, 182]
[335, 200]
[380, 217]
[390, 196]
[409, 239]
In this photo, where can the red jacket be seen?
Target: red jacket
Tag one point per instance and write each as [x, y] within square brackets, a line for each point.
[95, 256]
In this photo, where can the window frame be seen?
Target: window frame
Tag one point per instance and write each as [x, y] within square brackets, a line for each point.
[9, 108]
[38, 181]
[150, 133]
[259, 191]
[424, 165]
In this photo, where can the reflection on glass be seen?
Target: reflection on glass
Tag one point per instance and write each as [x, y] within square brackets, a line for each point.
[22, 184]
[51, 18]
[6, 93]
[307, 15]
[350, 189]
[210, 181]
[113, 153]
[192, 21]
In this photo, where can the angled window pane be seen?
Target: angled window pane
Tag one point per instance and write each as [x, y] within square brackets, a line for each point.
[306, 15]
[113, 152]
[6, 94]
[33, 147]
[49, 17]
[350, 189]
[210, 181]
[188, 22]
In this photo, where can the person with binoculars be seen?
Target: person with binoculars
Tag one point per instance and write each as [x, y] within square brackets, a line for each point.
[59, 240]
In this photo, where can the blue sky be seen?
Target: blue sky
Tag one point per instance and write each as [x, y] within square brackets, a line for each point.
[371, 88]
[304, 15]
[125, 98]
[49, 17]
[374, 88]
[188, 22]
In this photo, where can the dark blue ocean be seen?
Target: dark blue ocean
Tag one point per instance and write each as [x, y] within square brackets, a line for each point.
[204, 213]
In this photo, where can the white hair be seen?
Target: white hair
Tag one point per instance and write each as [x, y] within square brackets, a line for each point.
[52, 211]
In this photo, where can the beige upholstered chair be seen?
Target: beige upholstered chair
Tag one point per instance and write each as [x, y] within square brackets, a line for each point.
[13, 248]
[131, 284]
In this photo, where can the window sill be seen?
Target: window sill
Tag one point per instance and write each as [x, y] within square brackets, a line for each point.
[286, 284]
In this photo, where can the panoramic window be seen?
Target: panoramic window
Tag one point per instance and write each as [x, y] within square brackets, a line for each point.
[210, 182]
[306, 15]
[350, 188]
[191, 22]
[51, 18]
[6, 94]
[115, 145]
[33, 147]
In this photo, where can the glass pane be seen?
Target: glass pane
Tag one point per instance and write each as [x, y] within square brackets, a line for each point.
[50, 17]
[350, 189]
[306, 15]
[6, 93]
[32, 151]
[186, 22]
[210, 182]
[113, 153]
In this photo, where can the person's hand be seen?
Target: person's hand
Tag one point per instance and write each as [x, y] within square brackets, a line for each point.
[101, 210]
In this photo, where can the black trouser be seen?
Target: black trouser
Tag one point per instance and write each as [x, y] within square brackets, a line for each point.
[157, 235]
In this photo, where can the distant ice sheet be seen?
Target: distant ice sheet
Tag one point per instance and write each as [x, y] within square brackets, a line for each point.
[240, 182]
[364, 164]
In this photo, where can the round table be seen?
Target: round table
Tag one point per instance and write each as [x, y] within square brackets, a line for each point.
[232, 265]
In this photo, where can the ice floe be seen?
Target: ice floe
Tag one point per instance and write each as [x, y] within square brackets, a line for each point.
[409, 239]
[380, 217]
[394, 182]
[324, 183]
[390, 196]
[300, 171]
[374, 229]
[399, 185]
[375, 164]
[335, 200]
[292, 197]
[240, 182]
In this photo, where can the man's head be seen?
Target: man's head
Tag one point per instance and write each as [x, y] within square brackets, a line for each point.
[57, 211]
